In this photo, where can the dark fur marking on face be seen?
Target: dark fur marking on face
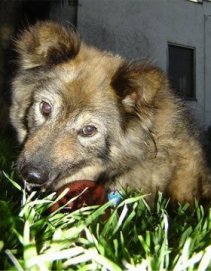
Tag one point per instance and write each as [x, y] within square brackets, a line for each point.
[104, 153]
[25, 120]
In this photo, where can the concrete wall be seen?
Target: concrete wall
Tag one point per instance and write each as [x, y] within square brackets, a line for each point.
[207, 108]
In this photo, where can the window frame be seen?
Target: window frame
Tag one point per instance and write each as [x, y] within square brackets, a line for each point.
[194, 67]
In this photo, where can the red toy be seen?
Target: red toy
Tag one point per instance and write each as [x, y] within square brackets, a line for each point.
[91, 192]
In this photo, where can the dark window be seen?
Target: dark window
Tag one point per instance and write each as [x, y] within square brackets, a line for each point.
[181, 70]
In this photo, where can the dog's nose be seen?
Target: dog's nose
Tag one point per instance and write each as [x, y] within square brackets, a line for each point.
[34, 175]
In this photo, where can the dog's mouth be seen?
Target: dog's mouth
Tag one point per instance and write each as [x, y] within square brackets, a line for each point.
[86, 177]
[90, 173]
[51, 187]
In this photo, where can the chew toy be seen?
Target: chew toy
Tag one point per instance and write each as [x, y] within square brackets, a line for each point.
[86, 192]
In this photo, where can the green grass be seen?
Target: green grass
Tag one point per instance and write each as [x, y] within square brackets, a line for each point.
[133, 237]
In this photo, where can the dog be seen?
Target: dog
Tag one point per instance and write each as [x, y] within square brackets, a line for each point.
[86, 114]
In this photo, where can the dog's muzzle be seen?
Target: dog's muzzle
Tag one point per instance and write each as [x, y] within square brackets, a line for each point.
[36, 177]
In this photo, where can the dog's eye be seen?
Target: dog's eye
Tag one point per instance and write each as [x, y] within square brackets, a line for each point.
[88, 131]
[45, 108]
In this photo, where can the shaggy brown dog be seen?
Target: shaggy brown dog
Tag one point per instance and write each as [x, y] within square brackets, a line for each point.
[84, 114]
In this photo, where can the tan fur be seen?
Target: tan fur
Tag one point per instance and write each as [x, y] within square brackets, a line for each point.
[144, 137]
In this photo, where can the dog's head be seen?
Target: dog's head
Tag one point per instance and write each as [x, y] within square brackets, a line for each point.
[79, 112]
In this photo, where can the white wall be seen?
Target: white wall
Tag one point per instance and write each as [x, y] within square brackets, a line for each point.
[142, 29]
[207, 108]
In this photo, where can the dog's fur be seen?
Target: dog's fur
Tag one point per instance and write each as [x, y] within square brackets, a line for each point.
[143, 137]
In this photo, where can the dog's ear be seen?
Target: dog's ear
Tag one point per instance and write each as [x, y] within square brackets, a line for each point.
[47, 43]
[137, 84]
